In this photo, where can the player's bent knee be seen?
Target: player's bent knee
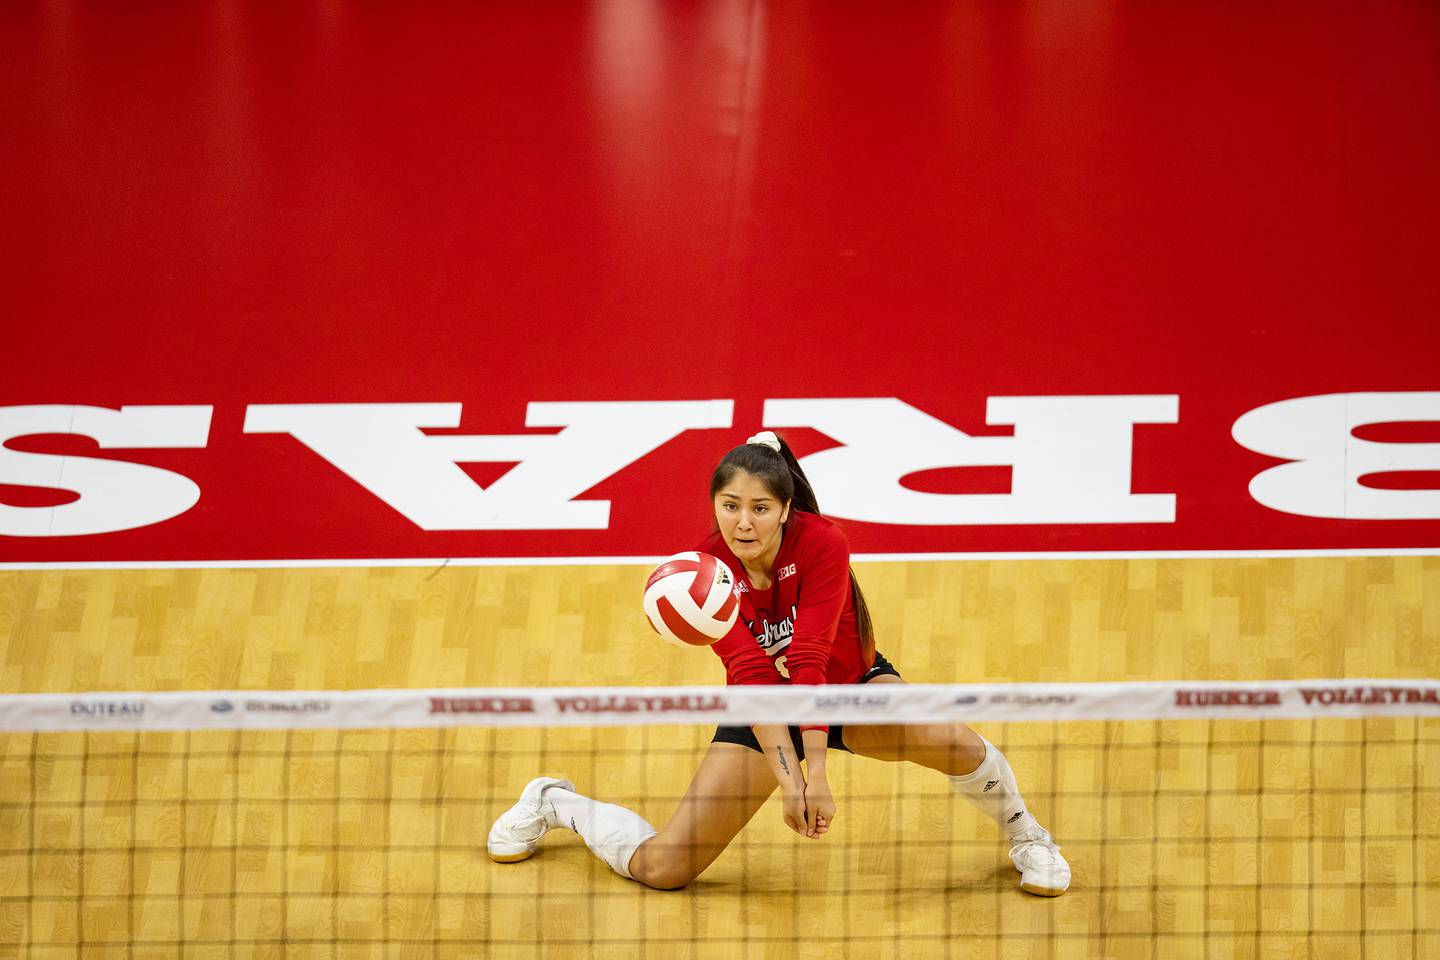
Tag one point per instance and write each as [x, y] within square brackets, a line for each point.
[662, 869]
[966, 749]
[667, 882]
[952, 749]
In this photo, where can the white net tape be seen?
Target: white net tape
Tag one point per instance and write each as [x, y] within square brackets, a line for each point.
[627, 706]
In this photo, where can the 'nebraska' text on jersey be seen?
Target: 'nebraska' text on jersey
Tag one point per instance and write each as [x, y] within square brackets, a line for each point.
[774, 638]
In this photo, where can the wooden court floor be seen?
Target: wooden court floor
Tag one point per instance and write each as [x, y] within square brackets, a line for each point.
[1188, 839]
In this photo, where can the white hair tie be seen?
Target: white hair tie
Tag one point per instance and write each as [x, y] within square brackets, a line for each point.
[766, 438]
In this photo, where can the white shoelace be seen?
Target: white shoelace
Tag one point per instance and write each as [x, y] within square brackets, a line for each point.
[1037, 851]
[528, 828]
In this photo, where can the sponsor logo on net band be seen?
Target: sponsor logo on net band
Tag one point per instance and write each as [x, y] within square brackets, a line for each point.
[290, 707]
[287, 706]
[853, 701]
[119, 709]
[1032, 699]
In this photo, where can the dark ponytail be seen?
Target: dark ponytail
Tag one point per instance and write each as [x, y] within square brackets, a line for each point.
[783, 477]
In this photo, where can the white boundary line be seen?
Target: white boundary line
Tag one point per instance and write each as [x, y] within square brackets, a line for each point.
[736, 705]
[638, 561]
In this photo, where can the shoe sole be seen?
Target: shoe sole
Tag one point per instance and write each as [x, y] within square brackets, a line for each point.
[511, 857]
[1043, 891]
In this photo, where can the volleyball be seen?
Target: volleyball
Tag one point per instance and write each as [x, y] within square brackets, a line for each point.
[691, 600]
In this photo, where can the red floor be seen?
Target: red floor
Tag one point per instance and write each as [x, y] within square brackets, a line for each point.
[219, 206]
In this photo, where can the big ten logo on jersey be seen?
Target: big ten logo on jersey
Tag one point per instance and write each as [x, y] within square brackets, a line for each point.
[786, 571]
[774, 638]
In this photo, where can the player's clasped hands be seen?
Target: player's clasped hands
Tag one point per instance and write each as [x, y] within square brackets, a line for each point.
[809, 808]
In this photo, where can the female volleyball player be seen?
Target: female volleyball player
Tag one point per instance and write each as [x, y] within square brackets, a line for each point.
[802, 620]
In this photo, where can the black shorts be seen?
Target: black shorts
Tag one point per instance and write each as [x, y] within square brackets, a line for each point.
[745, 736]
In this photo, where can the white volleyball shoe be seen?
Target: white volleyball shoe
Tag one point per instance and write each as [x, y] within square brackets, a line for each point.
[517, 831]
[1043, 871]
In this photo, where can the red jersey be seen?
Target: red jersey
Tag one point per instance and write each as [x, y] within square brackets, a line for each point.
[803, 628]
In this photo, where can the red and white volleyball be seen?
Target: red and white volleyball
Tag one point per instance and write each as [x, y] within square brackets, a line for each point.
[691, 600]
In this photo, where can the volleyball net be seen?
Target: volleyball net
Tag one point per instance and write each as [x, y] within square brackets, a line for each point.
[1247, 819]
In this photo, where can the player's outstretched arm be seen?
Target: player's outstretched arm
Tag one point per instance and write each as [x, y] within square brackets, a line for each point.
[774, 740]
[819, 802]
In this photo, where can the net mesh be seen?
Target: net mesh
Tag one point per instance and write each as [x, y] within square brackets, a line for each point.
[1200, 837]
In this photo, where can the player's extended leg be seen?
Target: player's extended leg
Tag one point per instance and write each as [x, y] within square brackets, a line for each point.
[729, 788]
[979, 772]
[731, 784]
